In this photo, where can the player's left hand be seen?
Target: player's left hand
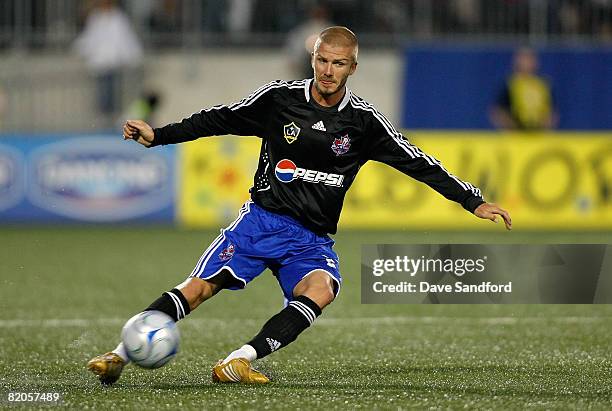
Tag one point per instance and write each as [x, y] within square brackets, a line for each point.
[491, 211]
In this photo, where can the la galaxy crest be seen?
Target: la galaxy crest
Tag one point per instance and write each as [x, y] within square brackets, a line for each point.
[291, 132]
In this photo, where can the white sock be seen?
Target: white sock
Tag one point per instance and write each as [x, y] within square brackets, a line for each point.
[120, 351]
[246, 351]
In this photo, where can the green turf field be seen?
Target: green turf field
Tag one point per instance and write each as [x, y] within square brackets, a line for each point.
[65, 293]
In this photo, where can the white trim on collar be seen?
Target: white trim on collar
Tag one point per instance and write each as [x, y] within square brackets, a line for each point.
[307, 90]
[343, 103]
[346, 99]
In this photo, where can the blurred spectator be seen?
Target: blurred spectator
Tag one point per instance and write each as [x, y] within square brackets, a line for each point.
[602, 19]
[526, 100]
[468, 14]
[240, 14]
[461, 16]
[570, 18]
[45, 23]
[389, 16]
[109, 46]
[144, 108]
[300, 41]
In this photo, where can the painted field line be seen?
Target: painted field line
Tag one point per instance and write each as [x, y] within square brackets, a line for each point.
[338, 321]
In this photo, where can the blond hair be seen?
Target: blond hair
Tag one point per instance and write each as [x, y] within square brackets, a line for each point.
[338, 36]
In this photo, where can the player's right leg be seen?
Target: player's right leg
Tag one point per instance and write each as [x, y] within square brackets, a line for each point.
[214, 271]
[176, 303]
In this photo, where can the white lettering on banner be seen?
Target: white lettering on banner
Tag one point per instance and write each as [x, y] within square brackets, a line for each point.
[140, 175]
[98, 179]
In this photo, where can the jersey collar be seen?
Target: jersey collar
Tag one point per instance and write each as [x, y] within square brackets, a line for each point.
[343, 103]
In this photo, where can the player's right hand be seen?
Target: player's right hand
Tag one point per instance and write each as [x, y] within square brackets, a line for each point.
[138, 131]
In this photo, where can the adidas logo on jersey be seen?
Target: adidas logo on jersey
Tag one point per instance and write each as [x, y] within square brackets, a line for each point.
[319, 126]
[274, 345]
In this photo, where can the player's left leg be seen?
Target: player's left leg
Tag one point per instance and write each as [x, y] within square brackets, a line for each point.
[310, 296]
[307, 270]
[317, 286]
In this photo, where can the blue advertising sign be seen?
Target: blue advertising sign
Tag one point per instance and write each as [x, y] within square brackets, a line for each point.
[453, 87]
[12, 177]
[86, 178]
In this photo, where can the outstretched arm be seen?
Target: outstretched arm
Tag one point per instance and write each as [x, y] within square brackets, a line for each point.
[244, 118]
[491, 211]
[410, 160]
[393, 149]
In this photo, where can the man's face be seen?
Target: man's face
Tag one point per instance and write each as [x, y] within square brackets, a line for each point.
[526, 62]
[332, 66]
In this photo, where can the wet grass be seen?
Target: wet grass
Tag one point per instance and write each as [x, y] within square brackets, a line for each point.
[66, 292]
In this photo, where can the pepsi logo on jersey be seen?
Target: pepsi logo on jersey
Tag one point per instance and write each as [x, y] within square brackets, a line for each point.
[286, 171]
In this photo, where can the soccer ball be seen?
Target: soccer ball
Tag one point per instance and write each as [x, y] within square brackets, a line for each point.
[151, 339]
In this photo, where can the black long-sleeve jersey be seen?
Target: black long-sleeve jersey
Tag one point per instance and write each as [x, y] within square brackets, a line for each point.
[311, 154]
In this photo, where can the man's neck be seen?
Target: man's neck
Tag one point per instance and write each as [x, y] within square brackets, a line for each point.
[327, 101]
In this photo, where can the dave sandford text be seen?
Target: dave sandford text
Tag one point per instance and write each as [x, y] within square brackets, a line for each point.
[458, 267]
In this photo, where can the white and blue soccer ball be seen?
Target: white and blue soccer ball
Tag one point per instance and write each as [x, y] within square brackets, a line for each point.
[151, 339]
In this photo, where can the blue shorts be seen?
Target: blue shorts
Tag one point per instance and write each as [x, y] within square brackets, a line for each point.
[259, 239]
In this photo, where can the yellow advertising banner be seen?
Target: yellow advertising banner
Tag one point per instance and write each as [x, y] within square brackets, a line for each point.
[560, 181]
[215, 175]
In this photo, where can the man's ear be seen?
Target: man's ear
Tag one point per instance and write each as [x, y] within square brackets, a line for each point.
[353, 68]
[312, 60]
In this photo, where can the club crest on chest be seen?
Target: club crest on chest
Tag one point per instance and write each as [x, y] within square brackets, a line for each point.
[291, 132]
[341, 145]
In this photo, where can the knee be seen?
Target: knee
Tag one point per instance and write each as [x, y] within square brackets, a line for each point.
[319, 287]
[197, 290]
[325, 297]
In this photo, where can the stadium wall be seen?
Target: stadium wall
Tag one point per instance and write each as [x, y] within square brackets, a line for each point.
[429, 86]
[57, 93]
[191, 83]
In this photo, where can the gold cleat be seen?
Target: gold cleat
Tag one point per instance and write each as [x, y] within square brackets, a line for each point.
[107, 367]
[238, 370]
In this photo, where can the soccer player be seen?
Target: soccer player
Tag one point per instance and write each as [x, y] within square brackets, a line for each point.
[316, 134]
